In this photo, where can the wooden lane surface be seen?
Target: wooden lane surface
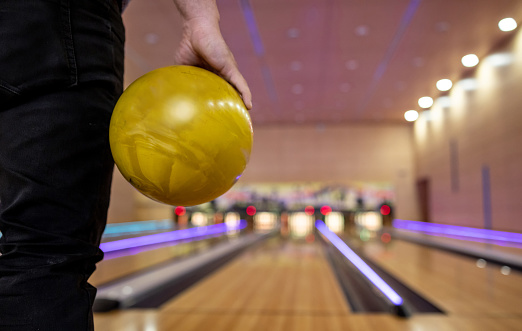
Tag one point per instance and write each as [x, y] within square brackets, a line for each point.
[276, 276]
[452, 282]
[282, 287]
[152, 320]
[277, 282]
[112, 269]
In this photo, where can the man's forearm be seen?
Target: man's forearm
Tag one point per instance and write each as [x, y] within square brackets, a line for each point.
[190, 9]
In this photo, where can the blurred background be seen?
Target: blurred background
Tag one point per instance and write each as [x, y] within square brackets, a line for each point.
[365, 112]
[332, 81]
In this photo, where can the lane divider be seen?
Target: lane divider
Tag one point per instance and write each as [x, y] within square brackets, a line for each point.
[364, 268]
[459, 231]
[171, 236]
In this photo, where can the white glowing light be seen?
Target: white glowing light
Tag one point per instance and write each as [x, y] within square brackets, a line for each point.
[265, 221]
[335, 222]
[470, 60]
[293, 33]
[181, 111]
[481, 263]
[370, 220]
[426, 115]
[468, 84]
[362, 30]
[199, 219]
[505, 270]
[232, 221]
[411, 115]
[499, 59]
[444, 85]
[300, 224]
[444, 102]
[425, 102]
[507, 24]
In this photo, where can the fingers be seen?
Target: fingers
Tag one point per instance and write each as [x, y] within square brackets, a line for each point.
[203, 45]
[230, 72]
[222, 62]
[236, 79]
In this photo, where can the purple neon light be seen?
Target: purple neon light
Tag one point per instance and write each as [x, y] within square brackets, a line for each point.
[142, 249]
[250, 19]
[461, 231]
[170, 236]
[359, 264]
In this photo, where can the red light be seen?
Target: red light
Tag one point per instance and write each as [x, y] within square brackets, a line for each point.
[251, 210]
[386, 238]
[179, 211]
[309, 210]
[325, 210]
[385, 210]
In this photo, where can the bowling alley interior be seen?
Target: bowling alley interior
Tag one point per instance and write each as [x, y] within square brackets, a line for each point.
[383, 189]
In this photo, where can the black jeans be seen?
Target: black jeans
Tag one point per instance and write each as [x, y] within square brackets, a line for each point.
[61, 70]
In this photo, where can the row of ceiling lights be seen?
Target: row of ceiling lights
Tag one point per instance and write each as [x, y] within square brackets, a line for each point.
[470, 60]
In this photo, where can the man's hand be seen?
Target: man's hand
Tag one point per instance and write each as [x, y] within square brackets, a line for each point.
[203, 45]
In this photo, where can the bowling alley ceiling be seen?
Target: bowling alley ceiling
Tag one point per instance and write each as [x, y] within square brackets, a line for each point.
[331, 61]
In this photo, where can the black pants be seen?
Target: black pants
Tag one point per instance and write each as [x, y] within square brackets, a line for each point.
[61, 68]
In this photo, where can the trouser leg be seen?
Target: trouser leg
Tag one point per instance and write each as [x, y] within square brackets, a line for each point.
[55, 161]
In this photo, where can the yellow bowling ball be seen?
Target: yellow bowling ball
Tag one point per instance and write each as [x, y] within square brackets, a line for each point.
[181, 135]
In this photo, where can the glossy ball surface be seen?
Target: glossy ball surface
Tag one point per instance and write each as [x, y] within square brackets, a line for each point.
[181, 135]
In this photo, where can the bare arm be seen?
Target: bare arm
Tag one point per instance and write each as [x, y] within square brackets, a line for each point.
[203, 45]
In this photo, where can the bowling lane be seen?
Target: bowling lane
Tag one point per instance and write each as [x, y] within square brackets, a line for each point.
[288, 285]
[278, 282]
[277, 276]
[455, 283]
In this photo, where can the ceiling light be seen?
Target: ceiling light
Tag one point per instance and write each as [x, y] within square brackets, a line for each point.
[470, 60]
[499, 59]
[296, 65]
[426, 115]
[507, 24]
[352, 65]
[411, 115]
[468, 84]
[293, 33]
[362, 30]
[425, 102]
[444, 102]
[444, 85]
